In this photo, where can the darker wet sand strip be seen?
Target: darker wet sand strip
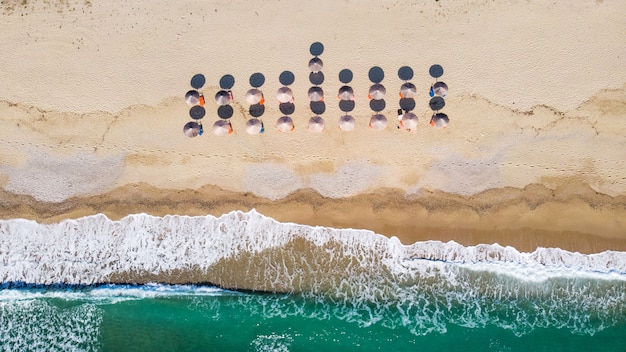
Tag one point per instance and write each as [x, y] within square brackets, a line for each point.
[572, 217]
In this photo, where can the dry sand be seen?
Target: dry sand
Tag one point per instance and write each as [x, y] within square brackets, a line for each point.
[92, 109]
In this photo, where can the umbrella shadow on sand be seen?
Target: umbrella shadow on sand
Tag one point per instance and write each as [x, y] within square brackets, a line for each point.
[257, 80]
[435, 71]
[377, 105]
[225, 112]
[316, 78]
[376, 74]
[197, 81]
[316, 49]
[407, 104]
[227, 82]
[287, 108]
[437, 103]
[256, 110]
[346, 105]
[318, 107]
[345, 76]
[197, 112]
[405, 73]
[286, 78]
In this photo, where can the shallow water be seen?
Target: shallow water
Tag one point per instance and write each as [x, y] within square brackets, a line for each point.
[339, 289]
[159, 318]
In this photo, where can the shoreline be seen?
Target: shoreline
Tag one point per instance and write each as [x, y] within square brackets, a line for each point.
[92, 114]
[573, 218]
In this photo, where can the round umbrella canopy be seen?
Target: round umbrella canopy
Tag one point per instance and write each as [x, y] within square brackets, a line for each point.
[285, 124]
[284, 95]
[197, 112]
[346, 123]
[191, 129]
[377, 92]
[437, 103]
[222, 128]
[408, 90]
[378, 122]
[254, 126]
[316, 94]
[346, 93]
[223, 98]
[254, 96]
[440, 89]
[316, 124]
[439, 120]
[315, 64]
[192, 97]
[409, 121]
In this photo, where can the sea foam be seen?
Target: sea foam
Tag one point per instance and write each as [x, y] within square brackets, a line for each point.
[355, 275]
[91, 249]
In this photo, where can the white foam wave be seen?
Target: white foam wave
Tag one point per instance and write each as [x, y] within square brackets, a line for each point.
[91, 249]
[38, 326]
[109, 293]
[539, 265]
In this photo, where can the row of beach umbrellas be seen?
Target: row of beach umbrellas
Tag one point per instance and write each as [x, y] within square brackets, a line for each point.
[376, 94]
[438, 92]
[315, 93]
[316, 124]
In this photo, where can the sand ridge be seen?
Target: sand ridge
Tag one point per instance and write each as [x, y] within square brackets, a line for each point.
[54, 155]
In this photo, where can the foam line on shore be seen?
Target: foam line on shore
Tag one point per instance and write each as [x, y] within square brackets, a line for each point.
[94, 249]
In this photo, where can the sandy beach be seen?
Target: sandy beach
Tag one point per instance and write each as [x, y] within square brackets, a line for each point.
[92, 111]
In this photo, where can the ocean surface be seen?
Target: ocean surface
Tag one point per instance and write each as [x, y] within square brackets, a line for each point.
[244, 282]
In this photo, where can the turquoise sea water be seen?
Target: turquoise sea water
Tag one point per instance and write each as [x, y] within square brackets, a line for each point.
[332, 289]
[198, 319]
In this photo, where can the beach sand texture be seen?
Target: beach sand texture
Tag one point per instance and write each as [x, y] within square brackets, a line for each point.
[92, 111]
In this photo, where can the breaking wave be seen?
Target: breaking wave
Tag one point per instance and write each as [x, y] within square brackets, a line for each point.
[353, 275]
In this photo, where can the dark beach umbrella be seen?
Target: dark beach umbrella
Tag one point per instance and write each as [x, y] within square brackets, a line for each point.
[192, 97]
[408, 90]
[378, 122]
[316, 94]
[191, 129]
[197, 112]
[285, 124]
[254, 126]
[440, 89]
[439, 120]
[346, 93]
[409, 121]
[437, 103]
[316, 64]
[346, 123]
[254, 96]
[377, 92]
[284, 95]
[222, 128]
[223, 97]
[316, 124]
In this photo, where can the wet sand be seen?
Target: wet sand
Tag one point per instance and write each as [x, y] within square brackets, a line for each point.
[573, 218]
[92, 112]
